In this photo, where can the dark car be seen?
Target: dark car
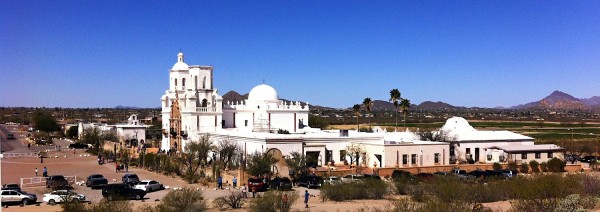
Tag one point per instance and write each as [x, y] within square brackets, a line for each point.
[589, 159]
[78, 146]
[257, 183]
[57, 182]
[281, 184]
[372, 176]
[424, 176]
[14, 187]
[397, 174]
[122, 191]
[95, 180]
[310, 181]
[478, 173]
[131, 179]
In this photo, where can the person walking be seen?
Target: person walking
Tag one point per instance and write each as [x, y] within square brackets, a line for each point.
[306, 196]
[41, 158]
[253, 191]
[234, 182]
[36, 171]
[220, 182]
[126, 167]
[244, 191]
[116, 167]
[45, 172]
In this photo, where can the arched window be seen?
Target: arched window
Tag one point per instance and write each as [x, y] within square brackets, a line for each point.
[196, 82]
[204, 103]
[175, 82]
[204, 83]
[183, 82]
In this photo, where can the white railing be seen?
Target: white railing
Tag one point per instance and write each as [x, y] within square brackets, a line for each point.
[206, 109]
[16, 154]
[41, 181]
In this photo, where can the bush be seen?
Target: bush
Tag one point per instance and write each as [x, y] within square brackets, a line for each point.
[512, 165]
[497, 166]
[534, 166]
[556, 165]
[102, 206]
[575, 203]
[183, 200]
[405, 204]
[366, 189]
[271, 201]
[233, 200]
[524, 168]
[191, 177]
[544, 166]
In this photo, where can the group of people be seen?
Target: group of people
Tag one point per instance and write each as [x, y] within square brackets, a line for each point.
[44, 172]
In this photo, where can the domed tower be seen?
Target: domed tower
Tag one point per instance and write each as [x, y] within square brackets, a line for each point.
[199, 104]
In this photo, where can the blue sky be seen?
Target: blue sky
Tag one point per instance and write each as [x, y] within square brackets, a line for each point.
[331, 53]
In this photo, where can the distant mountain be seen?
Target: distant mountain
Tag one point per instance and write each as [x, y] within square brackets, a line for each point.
[125, 107]
[379, 105]
[429, 105]
[559, 100]
[593, 101]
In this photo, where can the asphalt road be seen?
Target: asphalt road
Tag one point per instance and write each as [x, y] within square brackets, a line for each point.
[12, 145]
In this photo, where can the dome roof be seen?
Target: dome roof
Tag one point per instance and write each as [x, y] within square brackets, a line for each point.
[180, 65]
[457, 124]
[263, 93]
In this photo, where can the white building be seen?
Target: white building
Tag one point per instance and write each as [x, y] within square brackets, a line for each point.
[133, 130]
[192, 107]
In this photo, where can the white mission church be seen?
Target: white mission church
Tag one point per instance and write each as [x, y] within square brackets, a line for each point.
[192, 107]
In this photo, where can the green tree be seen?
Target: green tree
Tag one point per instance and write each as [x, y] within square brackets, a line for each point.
[394, 97]
[404, 106]
[184, 200]
[195, 157]
[296, 163]
[44, 122]
[73, 132]
[260, 164]
[356, 109]
[317, 122]
[368, 103]
[227, 149]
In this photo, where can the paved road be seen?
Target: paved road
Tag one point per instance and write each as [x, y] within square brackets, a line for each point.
[12, 145]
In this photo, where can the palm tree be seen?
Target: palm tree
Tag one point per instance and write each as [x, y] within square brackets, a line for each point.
[368, 103]
[356, 109]
[394, 97]
[404, 105]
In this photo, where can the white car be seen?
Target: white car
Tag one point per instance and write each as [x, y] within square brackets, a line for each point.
[62, 195]
[149, 185]
[352, 177]
[332, 180]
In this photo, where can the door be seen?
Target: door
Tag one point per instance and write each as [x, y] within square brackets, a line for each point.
[312, 158]
[476, 154]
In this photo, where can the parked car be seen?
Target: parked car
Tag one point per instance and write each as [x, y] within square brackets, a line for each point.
[424, 176]
[352, 177]
[332, 180]
[56, 181]
[280, 183]
[397, 174]
[257, 183]
[15, 187]
[96, 180]
[62, 196]
[589, 159]
[149, 185]
[78, 146]
[310, 181]
[441, 173]
[130, 179]
[372, 176]
[509, 173]
[122, 191]
[13, 196]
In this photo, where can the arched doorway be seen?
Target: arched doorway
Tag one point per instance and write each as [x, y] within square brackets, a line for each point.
[277, 154]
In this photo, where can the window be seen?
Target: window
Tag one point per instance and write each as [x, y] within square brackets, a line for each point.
[489, 157]
[404, 159]
[468, 151]
[550, 155]
[246, 123]
[413, 159]
[175, 82]
[524, 156]
[342, 155]
[183, 82]
[538, 155]
[436, 158]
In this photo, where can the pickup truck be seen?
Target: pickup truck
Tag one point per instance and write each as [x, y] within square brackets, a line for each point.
[56, 182]
[95, 180]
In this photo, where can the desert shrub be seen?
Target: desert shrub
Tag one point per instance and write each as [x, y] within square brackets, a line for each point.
[448, 188]
[184, 200]
[271, 201]
[405, 204]
[110, 206]
[512, 165]
[534, 165]
[403, 184]
[366, 189]
[556, 165]
[418, 193]
[191, 177]
[524, 168]
[497, 166]
[590, 184]
[233, 200]
[544, 166]
[575, 203]
[73, 206]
